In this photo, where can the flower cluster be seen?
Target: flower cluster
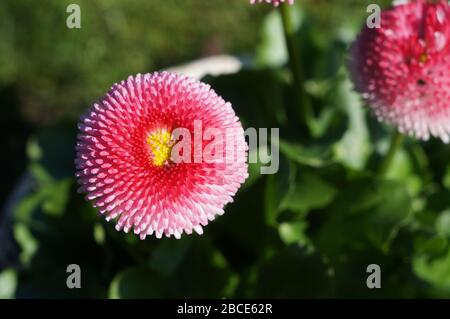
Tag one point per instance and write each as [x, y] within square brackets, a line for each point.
[128, 150]
[125, 161]
[402, 68]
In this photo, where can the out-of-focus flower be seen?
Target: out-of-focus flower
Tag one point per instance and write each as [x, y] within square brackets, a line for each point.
[402, 69]
[276, 3]
[127, 164]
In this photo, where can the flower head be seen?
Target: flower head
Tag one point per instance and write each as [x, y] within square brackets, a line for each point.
[402, 68]
[276, 3]
[130, 163]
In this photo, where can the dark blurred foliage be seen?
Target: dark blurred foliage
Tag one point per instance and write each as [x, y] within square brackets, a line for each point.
[43, 58]
[310, 230]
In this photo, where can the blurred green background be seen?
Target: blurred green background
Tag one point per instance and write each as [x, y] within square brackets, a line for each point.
[316, 225]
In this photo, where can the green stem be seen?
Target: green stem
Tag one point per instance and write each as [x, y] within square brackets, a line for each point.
[396, 142]
[303, 110]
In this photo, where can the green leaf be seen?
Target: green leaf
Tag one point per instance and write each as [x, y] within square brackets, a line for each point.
[446, 178]
[56, 196]
[40, 174]
[56, 150]
[26, 206]
[27, 242]
[309, 192]
[443, 223]
[314, 156]
[294, 233]
[8, 284]
[320, 124]
[138, 282]
[254, 169]
[271, 51]
[433, 246]
[294, 273]
[205, 266]
[354, 148]
[277, 185]
[403, 167]
[48, 244]
[169, 254]
[243, 233]
[261, 104]
[367, 210]
[435, 271]
[53, 195]
[34, 151]
[99, 233]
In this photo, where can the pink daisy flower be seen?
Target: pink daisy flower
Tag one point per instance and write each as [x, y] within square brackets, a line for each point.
[276, 3]
[402, 68]
[127, 166]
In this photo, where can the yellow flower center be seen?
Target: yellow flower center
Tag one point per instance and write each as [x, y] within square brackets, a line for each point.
[161, 146]
[423, 58]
